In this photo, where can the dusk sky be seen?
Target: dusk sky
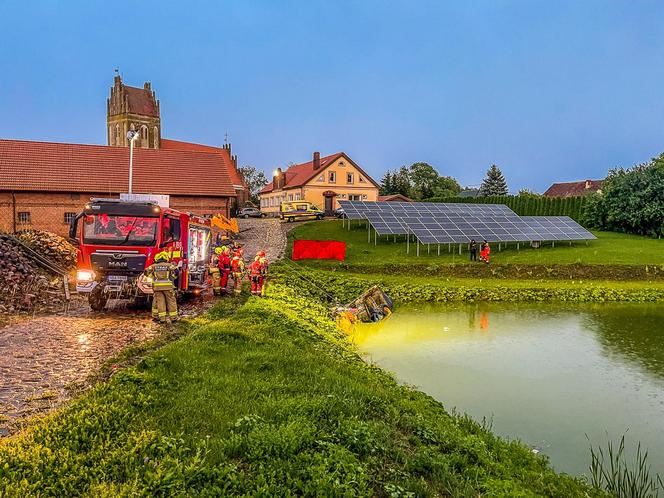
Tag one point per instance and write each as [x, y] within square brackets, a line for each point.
[549, 91]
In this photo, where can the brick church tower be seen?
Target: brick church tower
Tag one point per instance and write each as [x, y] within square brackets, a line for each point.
[131, 108]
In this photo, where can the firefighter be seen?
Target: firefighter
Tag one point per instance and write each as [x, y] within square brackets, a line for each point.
[262, 258]
[237, 269]
[163, 273]
[224, 267]
[215, 271]
[256, 276]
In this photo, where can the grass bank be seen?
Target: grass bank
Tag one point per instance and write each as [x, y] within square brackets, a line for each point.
[609, 248]
[265, 398]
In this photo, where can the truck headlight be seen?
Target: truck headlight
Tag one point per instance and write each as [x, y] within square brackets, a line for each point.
[85, 275]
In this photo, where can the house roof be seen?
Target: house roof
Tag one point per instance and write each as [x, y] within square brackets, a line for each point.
[571, 189]
[236, 177]
[300, 174]
[394, 197]
[62, 167]
[141, 101]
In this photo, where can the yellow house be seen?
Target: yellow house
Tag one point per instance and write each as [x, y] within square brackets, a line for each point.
[323, 181]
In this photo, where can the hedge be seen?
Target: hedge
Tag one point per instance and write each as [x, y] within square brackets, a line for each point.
[529, 205]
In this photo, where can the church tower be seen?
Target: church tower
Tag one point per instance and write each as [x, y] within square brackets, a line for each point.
[131, 108]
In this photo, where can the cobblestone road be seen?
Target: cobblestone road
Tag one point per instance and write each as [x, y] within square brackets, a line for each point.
[42, 358]
[268, 234]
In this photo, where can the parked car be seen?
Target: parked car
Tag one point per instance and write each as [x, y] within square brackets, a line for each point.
[251, 213]
[300, 210]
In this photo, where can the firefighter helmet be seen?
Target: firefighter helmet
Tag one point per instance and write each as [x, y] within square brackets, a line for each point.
[162, 256]
[260, 254]
[226, 249]
[218, 250]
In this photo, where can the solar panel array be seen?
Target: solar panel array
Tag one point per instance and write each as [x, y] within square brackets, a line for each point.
[434, 223]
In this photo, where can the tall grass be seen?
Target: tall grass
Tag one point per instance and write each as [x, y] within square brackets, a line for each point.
[611, 470]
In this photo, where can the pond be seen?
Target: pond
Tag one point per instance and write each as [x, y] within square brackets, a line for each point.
[549, 374]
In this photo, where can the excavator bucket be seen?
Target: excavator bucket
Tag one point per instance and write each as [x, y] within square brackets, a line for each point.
[222, 223]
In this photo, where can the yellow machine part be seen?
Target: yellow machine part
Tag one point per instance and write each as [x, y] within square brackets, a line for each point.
[222, 223]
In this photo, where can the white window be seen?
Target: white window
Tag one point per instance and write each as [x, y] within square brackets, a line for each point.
[332, 177]
[362, 180]
[297, 196]
[364, 196]
[321, 178]
[156, 137]
[353, 197]
[290, 197]
[342, 164]
[68, 217]
[24, 217]
[349, 177]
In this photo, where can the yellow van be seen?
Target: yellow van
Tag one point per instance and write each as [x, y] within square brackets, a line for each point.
[299, 210]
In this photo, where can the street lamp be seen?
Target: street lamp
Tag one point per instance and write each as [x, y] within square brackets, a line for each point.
[132, 136]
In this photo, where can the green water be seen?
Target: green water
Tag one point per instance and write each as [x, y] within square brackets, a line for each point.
[547, 374]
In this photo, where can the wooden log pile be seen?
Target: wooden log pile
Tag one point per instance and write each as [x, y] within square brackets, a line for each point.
[51, 246]
[26, 287]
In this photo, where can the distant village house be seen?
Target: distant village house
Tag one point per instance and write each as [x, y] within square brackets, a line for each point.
[574, 189]
[323, 181]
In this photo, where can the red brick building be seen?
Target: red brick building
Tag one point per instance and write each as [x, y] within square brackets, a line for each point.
[43, 184]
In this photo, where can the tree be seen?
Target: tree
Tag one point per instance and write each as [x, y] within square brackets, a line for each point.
[386, 184]
[631, 200]
[423, 179]
[494, 183]
[446, 187]
[524, 192]
[255, 181]
[401, 183]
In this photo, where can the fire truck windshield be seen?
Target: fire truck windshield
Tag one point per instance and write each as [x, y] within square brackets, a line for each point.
[112, 230]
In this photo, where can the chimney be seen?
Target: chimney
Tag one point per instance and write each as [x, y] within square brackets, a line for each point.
[278, 180]
[316, 160]
[147, 86]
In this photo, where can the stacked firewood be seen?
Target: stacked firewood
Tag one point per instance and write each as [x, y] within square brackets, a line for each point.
[25, 286]
[51, 246]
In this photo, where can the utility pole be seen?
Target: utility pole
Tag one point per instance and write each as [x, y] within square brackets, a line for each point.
[132, 136]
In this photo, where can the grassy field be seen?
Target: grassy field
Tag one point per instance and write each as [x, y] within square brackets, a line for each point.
[609, 248]
[264, 398]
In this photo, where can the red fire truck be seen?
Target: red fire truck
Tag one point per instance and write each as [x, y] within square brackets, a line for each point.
[118, 239]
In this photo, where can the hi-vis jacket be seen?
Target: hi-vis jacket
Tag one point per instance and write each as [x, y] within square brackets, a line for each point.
[163, 275]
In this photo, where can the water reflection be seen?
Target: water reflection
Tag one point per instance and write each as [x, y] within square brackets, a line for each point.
[548, 373]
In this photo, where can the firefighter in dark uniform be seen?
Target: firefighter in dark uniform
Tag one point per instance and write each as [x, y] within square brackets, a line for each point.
[163, 274]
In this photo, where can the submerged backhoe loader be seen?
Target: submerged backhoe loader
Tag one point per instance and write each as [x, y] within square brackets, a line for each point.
[372, 305]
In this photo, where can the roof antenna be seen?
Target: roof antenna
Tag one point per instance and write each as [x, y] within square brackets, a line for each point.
[226, 138]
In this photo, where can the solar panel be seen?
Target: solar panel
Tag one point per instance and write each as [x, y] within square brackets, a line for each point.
[435, 223]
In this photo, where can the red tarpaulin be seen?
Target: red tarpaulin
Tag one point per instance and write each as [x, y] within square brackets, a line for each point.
[319, 249]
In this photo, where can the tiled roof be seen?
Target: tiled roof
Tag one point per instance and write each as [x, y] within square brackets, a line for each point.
[235, 175]
[300, 174]
[141, 101]
[394, 198]
[571, 189]
[61, 167]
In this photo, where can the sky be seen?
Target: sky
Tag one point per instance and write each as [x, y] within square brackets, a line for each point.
[548, 91]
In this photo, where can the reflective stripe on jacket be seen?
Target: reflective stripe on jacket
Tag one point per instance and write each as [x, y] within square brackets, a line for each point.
[163, 275]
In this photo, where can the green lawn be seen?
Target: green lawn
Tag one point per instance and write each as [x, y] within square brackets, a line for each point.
[266, 398]
[609, 248]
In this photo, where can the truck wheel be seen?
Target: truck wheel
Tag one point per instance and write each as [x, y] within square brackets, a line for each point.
[319, 217]
[97, 300]
[246, 216]
[291, 219]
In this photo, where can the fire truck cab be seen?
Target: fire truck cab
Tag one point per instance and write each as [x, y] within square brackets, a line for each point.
[118, 239]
